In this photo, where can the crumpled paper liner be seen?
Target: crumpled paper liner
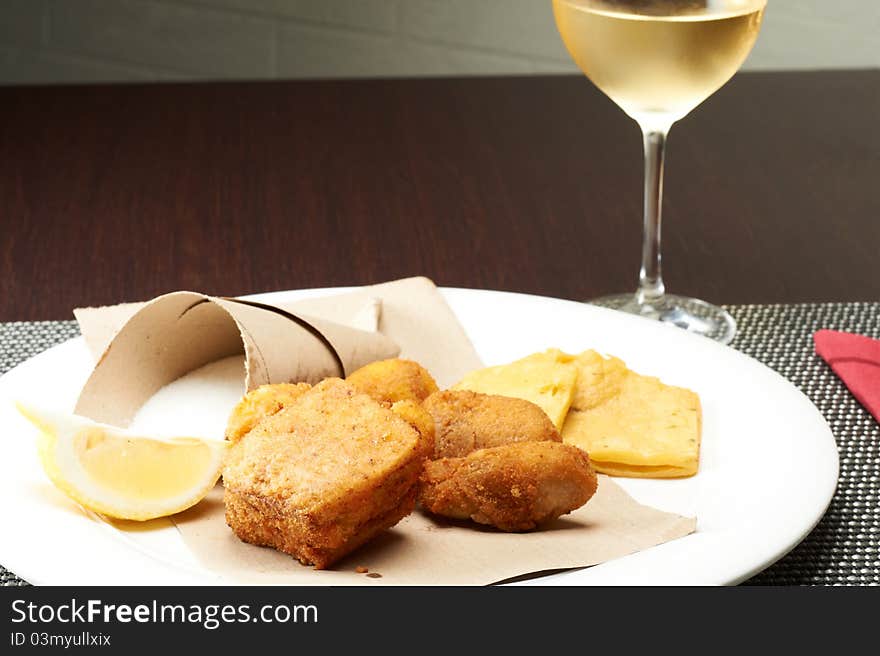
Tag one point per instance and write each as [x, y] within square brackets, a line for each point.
[145, 346]
[411, 312]
[427, 550]
[182, 331]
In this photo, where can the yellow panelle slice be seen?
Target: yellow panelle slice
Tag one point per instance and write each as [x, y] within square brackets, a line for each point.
[546, 379]
[123, 475]
[632, 425]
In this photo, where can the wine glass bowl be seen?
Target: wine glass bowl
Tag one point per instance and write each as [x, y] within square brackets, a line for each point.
[658, 59]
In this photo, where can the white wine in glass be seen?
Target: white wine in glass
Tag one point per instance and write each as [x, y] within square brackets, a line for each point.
[658, 59]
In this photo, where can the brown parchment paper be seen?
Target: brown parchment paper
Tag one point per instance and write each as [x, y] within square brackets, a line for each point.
[427, 550]
[416, 316]
[177, 333]
[411, 312]
[99, 325]
[154, 343]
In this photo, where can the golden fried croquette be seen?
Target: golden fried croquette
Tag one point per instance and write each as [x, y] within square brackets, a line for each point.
[390, 381]
[323, 475]
[417, 417]
[514, 487]
[465, 421]
[264, 401]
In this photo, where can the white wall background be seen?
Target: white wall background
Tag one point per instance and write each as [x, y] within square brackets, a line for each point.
[117, 40]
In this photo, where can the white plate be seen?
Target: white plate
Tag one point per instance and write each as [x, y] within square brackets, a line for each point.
[768, 466]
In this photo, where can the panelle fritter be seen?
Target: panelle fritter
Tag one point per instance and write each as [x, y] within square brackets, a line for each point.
[324, 475]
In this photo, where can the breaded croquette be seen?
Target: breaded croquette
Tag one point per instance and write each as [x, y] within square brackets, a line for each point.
[514, 487]
[417, 417]
[264, 401]
[323, 475]
[390, 381]
[465, 421]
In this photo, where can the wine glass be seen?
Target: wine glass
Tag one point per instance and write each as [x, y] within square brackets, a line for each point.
[658, 59]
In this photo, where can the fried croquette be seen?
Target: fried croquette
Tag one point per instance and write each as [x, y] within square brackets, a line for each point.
[264, 401]
[514, 487]
[465, 421]
[390, 381]
[323, 475]
[419, 418]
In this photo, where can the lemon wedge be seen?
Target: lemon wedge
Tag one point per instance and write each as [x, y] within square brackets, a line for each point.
[120, 474]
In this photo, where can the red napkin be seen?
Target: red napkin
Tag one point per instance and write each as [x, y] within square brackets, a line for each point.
[856, 361]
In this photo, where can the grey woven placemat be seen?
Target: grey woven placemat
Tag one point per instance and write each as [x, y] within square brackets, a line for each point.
[844, 549]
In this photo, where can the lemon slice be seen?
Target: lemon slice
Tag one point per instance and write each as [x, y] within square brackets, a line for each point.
[123, 475]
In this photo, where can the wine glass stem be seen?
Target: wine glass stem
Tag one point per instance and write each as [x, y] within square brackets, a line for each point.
[651, 287]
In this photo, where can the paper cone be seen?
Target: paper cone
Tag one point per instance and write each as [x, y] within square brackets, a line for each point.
[410, 312]
[99, 325]
[182, 331]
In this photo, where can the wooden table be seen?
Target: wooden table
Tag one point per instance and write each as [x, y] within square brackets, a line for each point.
[111, 193]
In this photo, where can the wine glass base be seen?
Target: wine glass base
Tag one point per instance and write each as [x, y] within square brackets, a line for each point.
[691, 314]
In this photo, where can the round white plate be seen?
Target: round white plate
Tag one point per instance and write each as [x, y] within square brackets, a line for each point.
[768, 467]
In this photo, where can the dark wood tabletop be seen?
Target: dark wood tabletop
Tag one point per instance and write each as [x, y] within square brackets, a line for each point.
[111, 193]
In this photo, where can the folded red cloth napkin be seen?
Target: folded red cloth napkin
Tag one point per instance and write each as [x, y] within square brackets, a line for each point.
[856, 361]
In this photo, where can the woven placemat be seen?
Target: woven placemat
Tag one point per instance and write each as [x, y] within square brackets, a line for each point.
[844, 548]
